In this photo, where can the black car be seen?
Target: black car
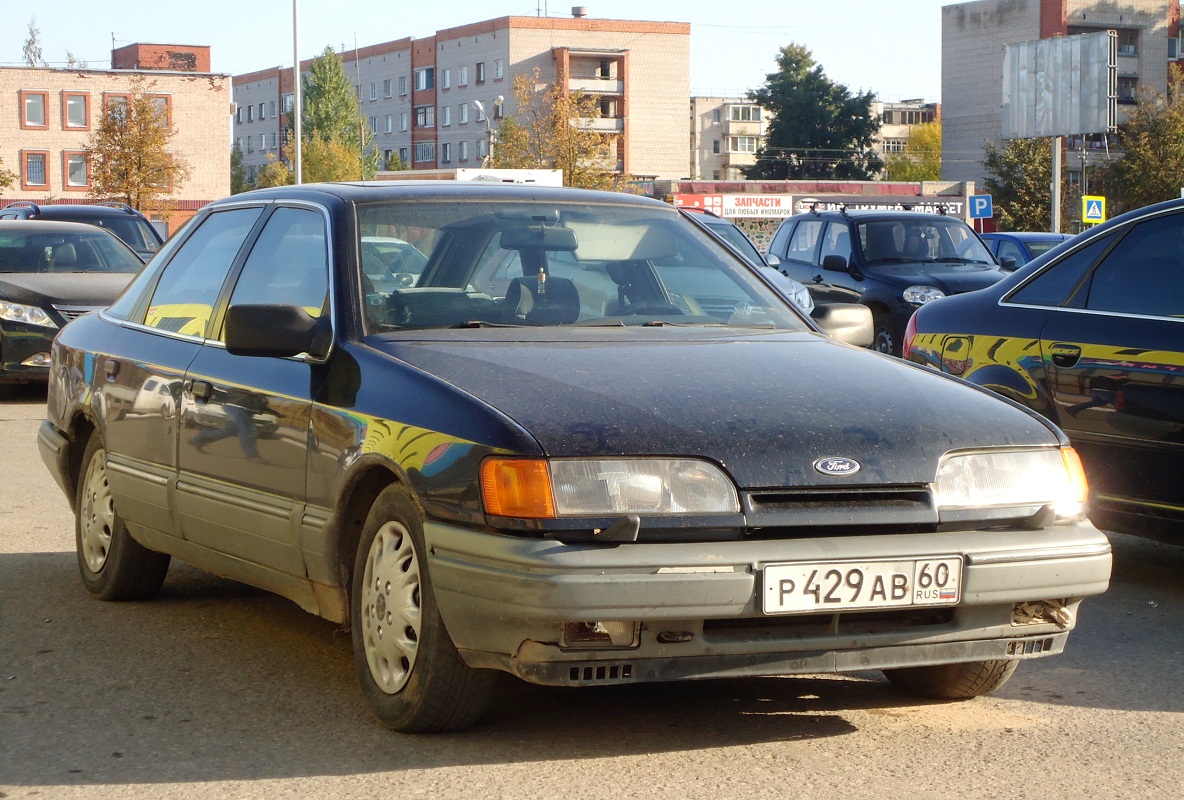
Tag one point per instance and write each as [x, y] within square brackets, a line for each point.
[589, 446]
[121, 219]
[1016, 248]
[890, 261]
[50, 273]
[1092, 337]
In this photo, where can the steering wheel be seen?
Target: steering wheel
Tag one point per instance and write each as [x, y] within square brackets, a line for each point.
[648, 307]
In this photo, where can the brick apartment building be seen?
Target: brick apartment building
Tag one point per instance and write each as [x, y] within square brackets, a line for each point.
[47, 115]
[420, 95]
[973, 36]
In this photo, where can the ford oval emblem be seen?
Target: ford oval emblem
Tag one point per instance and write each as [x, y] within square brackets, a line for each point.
[837, 465]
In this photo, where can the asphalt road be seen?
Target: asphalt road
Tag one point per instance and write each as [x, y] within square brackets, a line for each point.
[220, 690]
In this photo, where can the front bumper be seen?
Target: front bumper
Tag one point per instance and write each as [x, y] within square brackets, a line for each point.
[505, 600]
[19, 344]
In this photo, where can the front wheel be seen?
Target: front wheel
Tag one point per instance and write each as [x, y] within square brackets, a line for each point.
[113, 565]
[887, 338]
[953, 681]
[411, 674]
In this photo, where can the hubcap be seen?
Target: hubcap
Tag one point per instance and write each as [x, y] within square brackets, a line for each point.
[97, 514]
[391, 616]
[884, 343]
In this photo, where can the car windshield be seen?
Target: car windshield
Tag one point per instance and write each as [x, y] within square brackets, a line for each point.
[495, 263]
[735, 237]
[71, 252]
[920, 240]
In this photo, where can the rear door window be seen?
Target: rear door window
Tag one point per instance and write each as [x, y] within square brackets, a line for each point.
[1052, 286]
[1144, 273]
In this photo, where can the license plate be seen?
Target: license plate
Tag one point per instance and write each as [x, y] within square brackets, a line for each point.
[831, 586]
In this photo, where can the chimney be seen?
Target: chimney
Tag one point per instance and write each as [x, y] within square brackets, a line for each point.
[579, 12]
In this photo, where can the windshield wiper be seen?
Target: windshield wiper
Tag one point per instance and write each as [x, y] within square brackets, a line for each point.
[960, 260]
[480, 323]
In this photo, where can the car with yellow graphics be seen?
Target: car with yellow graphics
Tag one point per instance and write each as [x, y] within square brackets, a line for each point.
[1092, 337]
[586, 444]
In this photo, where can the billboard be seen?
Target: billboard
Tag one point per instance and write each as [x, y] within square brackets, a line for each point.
[1063, 86]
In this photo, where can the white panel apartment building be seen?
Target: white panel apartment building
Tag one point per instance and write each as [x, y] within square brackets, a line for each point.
[973, 36]
[726, 133]
[420, 95]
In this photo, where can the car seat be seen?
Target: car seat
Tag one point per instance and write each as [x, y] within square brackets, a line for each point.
[552, 301]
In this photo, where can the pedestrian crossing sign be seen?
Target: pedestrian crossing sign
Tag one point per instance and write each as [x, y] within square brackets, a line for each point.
[1093, 209]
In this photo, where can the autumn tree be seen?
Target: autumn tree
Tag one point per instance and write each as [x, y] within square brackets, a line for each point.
[329, 112]
[1151, 169]
[321, 162]
[7, 177]
[552, 131]
[819, 129]
[921, 158]
[238, 172]
[129, 152]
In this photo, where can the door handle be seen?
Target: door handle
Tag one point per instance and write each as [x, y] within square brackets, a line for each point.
[111, 368]
[202, 390]
[1065, 356]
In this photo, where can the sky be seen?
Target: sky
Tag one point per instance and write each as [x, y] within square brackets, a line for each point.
[892, 49]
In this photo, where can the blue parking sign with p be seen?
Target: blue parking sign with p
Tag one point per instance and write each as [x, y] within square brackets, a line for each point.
[980, 206]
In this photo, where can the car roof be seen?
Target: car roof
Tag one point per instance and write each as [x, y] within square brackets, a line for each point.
[1026, 236]
[372, 191]
[73, 210]
[869, 214]
[43, 226]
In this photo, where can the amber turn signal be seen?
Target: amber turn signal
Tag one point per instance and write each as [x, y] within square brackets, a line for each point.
[517, 487]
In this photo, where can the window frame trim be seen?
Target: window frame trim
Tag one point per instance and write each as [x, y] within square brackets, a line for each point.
[24, 170]
[23, 109]
[66, 95]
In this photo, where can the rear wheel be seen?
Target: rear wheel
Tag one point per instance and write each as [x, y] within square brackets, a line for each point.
[410, 672]
[953, 681]
[113, 565]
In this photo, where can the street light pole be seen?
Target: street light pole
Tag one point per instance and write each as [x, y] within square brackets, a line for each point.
[491, 136]
[296, 79]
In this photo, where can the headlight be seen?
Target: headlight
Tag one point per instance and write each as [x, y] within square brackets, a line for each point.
[30, 315]
[1013, 478]
[538, 489]
[920, 295]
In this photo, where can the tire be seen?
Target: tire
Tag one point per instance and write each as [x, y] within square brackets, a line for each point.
[413, 679]
[886, 338]
[113, 565]
[953, 681]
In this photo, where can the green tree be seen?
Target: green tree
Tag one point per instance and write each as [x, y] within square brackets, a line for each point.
[238, 173]
[322, 162]
[921, 158]
[129, 152]
[551, 131]
[330, 113]
[819, 128]
[31, 51]
[7, 177]
[1151, 169]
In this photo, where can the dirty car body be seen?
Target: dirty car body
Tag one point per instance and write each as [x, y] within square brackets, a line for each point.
[588, 446]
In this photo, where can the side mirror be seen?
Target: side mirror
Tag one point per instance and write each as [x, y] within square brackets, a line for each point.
[850, 323]
[834, 263]
[772, 260]
[276, 331]
[1007, 263]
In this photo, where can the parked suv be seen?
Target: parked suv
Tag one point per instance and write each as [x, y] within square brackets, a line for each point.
[121, 219]
[891, 261]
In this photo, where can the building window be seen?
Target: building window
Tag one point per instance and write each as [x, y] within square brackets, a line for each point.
[480, 113]
[289, 100]
[715, 146]
[250, 113]
[402, 120]
[463, 151]
[1128, 43]
[242, 148]
[464, 113]
[162, 104]
[894, 145]
[34, 169]
[499, 69]
[374, 124]
[480, 73]
[238, 116]
[425, 151]
[386, 158]
[742, 144]
[386, 88]
[445, 78]
[445, 115]
[35, 105]
[275, 141]
[263, 111]
[404, 155]
[390, 123]
[115, 105]
[262, 142]
[716, 116]
[373, 90]
[77, 174]
[425, 116]
[402, 85]
[463, 78]
[75, 111]
[272, 104]
[482, 148]
[425, 78]
[745, 114]
[1128, 90]
[446, 152]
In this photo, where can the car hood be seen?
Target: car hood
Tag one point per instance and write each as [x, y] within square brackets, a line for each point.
[96, 289]
[950, 278]
[766, 407]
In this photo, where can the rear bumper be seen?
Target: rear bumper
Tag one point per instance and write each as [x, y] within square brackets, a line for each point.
[53, 446]
[698, 606]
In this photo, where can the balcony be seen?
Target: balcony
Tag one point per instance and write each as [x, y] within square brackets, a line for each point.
[595, 85]
[603, 124]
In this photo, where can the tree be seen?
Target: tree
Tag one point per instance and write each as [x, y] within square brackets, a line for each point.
[1152, 167]
[73, 62]
[819, 128]
[31, 52]
[330, 113]
[238, 173]
[554, 134]
[7, 177]
[1021, 184]
[129, 152]
[921, 158]
[321, 161]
